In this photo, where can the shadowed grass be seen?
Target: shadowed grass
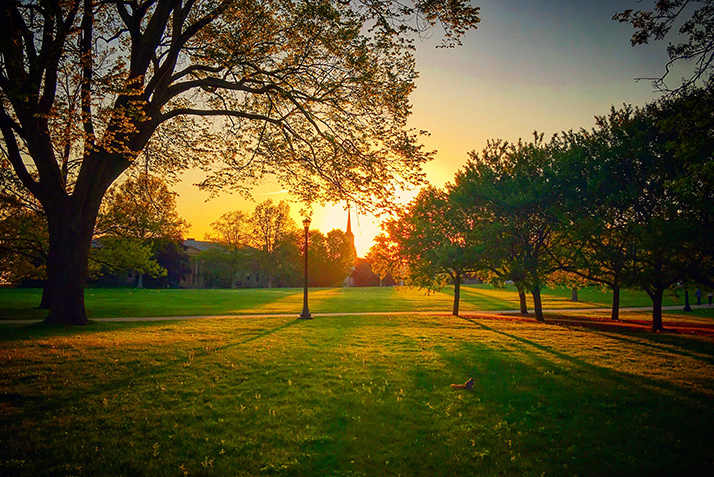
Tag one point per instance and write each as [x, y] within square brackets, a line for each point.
[353, 395]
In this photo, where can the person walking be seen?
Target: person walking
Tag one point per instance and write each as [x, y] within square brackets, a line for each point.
[710, 296]
[698, 294]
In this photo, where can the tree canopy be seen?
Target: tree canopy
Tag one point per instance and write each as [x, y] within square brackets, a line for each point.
[332, 258]
[507, 193]
[141, 207]
[430, 236]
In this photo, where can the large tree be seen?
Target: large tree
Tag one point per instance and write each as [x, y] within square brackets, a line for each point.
[597, 239]
[638, 197]
[314, 92]
[671, 154]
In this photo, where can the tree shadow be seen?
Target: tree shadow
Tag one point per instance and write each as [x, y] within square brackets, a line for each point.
[602, 372]
[675, 344]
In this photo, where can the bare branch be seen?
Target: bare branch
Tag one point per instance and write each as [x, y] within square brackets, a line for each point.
[7, 126]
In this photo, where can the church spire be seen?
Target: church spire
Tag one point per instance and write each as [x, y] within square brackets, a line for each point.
[351, 237]
[348, 232]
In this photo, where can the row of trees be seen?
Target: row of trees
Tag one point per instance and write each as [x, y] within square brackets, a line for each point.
[139, 238]
[628, 204]
[270, 242]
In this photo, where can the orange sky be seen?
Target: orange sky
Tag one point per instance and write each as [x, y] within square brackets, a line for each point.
[547, 65]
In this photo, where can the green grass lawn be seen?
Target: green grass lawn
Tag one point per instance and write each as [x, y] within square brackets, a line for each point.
[353, 395]
[107, 303]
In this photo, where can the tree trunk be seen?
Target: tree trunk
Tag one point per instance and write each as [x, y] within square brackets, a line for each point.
[537, 304]
[45, 301]
[457, 294]
[574, 295]
[140, 281]
[615, 314]
[70, 241]
[71, 226]
[657, 296]
[522, 300]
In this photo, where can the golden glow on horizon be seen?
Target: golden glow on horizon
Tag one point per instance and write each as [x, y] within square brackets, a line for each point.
[193, 206]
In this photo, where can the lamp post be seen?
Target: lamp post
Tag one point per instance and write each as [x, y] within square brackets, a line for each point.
[686, 301]
[305, 315]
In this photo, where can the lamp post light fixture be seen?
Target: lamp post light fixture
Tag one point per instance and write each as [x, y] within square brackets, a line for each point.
[305, 315]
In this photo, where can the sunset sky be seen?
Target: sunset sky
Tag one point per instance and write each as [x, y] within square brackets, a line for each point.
[540, 65]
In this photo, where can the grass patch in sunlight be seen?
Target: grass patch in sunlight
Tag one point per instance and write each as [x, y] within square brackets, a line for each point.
[353, 395]
[108, 303]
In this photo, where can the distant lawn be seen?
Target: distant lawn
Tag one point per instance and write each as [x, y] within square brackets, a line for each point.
[353, 395]
[107, 303]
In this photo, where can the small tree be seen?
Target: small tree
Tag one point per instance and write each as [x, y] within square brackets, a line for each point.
[273, 233]
[363, 275]
[23, 243]
[506, 193]
[430, 237]
[171, 256]
[23, 231]
[232, 234]
[135, 216]
[127, 255]
[385, 260]
[331, 258]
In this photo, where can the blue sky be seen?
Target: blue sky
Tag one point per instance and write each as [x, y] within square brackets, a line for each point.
[531, 65]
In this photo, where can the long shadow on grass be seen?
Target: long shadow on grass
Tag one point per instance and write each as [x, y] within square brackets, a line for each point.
[704, 350]
[481, 300]
[601, 411]
[134, 375]
[261, 335]
[614, 376]
[546, 410]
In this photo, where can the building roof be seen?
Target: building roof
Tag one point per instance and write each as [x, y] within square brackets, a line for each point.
[199, 245]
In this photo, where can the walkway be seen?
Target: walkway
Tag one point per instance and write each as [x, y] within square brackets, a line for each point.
[516, 313]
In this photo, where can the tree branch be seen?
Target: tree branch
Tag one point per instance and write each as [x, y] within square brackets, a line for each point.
[87, 74]
[7, 126]
[218, 112]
